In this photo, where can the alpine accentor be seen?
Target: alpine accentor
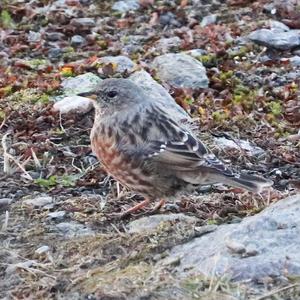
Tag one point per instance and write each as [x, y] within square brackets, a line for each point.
[142, 146]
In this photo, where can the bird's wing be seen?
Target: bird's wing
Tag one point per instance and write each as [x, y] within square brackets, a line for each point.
[166, 142]
[188, 154]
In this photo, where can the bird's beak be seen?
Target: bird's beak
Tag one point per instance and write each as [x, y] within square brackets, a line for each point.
[92, 95]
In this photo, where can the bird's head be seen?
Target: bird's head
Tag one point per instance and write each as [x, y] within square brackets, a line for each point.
[115, 94]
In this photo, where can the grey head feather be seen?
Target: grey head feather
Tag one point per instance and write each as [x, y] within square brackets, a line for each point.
[117, 94]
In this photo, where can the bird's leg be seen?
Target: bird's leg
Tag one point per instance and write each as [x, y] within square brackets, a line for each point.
[136, 207]
[159, 205]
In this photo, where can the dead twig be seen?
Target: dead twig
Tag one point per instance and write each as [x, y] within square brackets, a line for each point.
[8, 157]
[274, 292]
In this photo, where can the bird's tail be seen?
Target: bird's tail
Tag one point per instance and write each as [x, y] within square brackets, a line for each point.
[249, 182]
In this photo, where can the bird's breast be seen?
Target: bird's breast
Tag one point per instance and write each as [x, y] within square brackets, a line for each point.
[119, 165]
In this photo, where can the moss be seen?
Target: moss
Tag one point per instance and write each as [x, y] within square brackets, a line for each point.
[5, 91]
[189, 100]
[210, 288]
[67, 72]
[116, 14]
[294, 87]
[37, 64]
[103, 44]
[69, 53]
[44, 98]
[208, 60]
[224, 76]
[32, 96]
[2, 115]
[220, 116]
[275, 108]
[239, 53]
[121, 281]
[212, 222]
[6, 20]
[243, 96]
[52, 181]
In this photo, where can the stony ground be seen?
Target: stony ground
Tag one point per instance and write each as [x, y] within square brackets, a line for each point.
[61, 234]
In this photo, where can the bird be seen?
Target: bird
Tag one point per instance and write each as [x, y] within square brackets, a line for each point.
[142, 146]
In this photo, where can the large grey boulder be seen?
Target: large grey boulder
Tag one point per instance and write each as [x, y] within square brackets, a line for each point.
[276, 38]
[121, 63]
[261, 247]
[158, 93]
[80, 84]
[180, 71]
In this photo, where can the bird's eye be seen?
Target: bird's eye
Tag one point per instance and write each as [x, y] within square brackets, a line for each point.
[112, 94]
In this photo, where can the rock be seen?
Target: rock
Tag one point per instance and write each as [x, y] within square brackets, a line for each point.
[34, 64]
[12, 268]
[72, 229]
[85, 2]
[202, 230]
[132, 44]
[33, 37]
[80, 84]
[126, 5]
[270, 8]
[288, 11]
[168, 19]
[253, 150]
[54, 36]
[235, 247]
[292, 76]
[151, 223]
[266, 245]
[166, 45]
[54, 53]
[120, 63]
[38, 202]
[77, 40]
[180, 71]
[57, 215]
[208, 20]
[159, 93]
[34, 174]
[83, 22]
[277, 39]
[273, 24]
[5, 202]
[295, 61]
[76, 104]
[42, 250]
[196, 52]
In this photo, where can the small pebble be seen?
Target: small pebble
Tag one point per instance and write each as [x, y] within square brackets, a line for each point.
[83, 22]
[39, 201]
[42, 250]
[54, 36]
[235, 247]
[77, 40]
[208, 20]
[57, 215]
[202, 230]
[4, 202]
[76, 104]
[251, 251]
[54, 53]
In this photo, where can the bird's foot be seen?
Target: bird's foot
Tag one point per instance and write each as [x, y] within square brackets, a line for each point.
[135, 208]
[159, 205]
[141, 205]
